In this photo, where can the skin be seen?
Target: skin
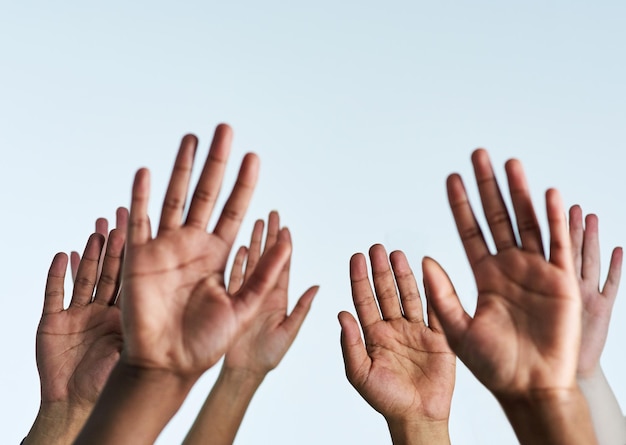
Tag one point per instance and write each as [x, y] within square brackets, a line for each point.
[78, 346]
[405, 370]
[598, 302]
[533, 303]
[259, 349]
[178, 318]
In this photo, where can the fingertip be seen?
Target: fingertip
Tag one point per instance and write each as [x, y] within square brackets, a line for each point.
[102, 226]
[285, 234]
[617, 256]
[121, 218]
[344, 318]
[358, 266]
[399, 261]
[224, 129]
[479, 154]
[60, 260]
[273, 217]
[377, 251]
[591, 222]
[311, 293]
[117, 238]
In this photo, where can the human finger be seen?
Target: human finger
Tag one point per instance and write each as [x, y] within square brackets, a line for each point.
[87, 271]
[590, 269]
[362, 295]
[576, 234]
[74, 263]
[445, 302]
[55, 285]
[237, 204]
[254, 252]
[176, 194]
[139, 231]
[273, 227]
[262, 280]
[294, 321]
[527, 224]
[384, 283]
[355, 358]
[494, 208]
[236, 272]
[560, 248]
[208, 187]
[121, 218]
[611, 284]
[409, 293]
[467, 226]
[109, 280]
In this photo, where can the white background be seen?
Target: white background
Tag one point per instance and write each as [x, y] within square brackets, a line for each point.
[358, 110]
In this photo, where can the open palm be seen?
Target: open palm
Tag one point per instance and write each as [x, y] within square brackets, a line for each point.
[405, 369]
[77, 347]
[177, 313]
[261, 347]
[525, 332]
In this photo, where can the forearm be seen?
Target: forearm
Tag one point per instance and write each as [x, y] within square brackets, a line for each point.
[419, 433]
[224, 409]
[551, 417]
[607, 417]
[57, 423]
[135, 405]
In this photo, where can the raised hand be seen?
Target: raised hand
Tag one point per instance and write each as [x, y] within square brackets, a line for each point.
[258, 349]
[597, 304]
[522, 342]
[178, 318]
[405, 370]
[608, 421]
[263, 344]
[177, 313]
[77, 346]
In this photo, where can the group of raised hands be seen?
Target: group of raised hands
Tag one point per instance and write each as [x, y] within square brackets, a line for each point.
[149, 314]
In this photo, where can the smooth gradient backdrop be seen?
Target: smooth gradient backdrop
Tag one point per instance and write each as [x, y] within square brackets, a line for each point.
[358, 109]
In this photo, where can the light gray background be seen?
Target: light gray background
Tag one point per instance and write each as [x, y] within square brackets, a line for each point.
[358, 110]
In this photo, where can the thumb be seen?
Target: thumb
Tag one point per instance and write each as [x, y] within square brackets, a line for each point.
[449, 313]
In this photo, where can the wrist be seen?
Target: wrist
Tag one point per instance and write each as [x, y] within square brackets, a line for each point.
[551, 416]
[241, 377]
[135, 395]
[57, 422]
[244, 374]
[411, 431]
[588, 373]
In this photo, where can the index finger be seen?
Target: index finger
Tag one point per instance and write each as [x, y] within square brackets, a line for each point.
[362, 295]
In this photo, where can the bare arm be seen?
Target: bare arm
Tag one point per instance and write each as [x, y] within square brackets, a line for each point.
[178, 318]
[256, 351]
[523, 340]
[606, 414]
[78, 346]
